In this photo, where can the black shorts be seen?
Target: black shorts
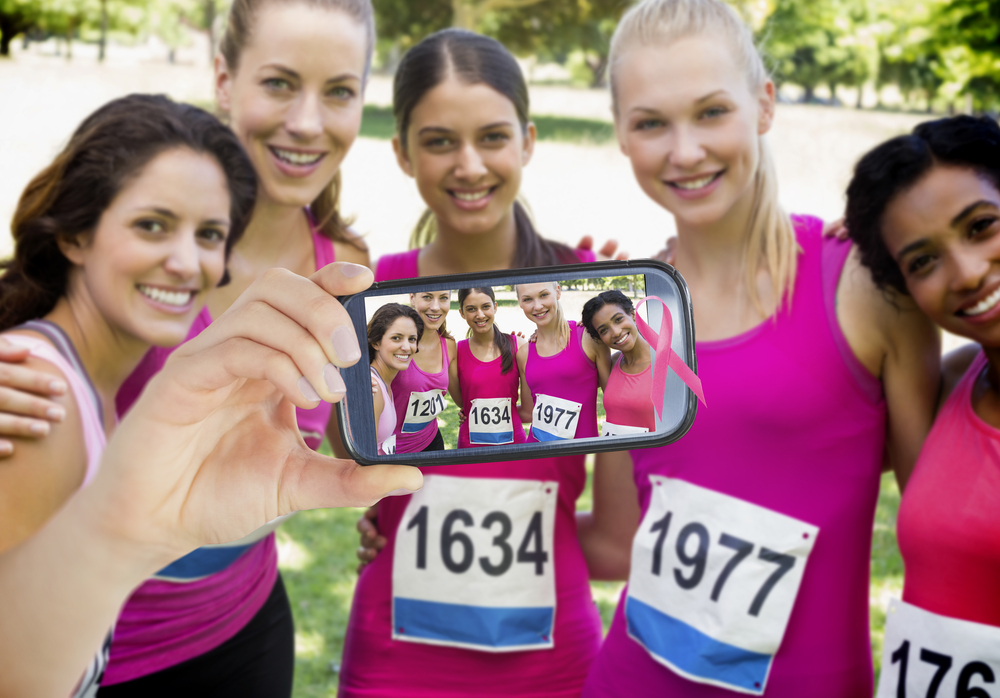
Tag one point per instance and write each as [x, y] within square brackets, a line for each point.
[257, 662]
[436, 444]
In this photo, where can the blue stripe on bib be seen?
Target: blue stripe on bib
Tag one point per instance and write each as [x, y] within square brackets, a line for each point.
[475, 625]
[203, 562]
[483, 437]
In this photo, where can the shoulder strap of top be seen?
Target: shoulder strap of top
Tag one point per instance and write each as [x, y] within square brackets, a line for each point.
[322, 245]
[64, 346]
[445, 361]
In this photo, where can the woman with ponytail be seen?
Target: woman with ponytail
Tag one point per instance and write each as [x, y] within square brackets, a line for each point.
[749, 571]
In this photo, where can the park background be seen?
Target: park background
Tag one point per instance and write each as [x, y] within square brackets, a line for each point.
[850, 74]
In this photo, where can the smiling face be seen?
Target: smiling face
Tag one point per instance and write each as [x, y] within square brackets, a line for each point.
[479, 311]
[157, 249]
[295, 98]
[433, 307]
[691, 126]
[465, 148]
[398, 344]
[540, 302]
[944, 233]
[616, 328]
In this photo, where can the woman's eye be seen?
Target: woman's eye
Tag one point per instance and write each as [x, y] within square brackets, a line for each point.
[212, 234]
[920, 263]
[277, 83]
[981, 225]
[439, 142]
[151, 226]
[647, 124]
[496, 137]
[341, 92]
[713, 112]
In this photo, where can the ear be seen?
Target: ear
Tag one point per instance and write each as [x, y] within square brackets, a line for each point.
[530, 136]
[72, 250]
[765, 103]
[223, 84]
[402, 157]
[558, 290]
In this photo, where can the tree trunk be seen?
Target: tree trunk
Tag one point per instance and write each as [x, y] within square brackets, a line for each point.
[598, 69]
[465, 14]
[833, 94]
[210, 25]
[5, 40]
[861, 94]
[809, 93]
[104, 31]
[69, 43]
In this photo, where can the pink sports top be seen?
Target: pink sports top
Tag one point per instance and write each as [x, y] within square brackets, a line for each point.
[483, 380]
[626, 397]
[387, 420]
[569, 375]
[795, 425]
[949, 517]
[404, 385]
[201, 600]
[376, 665]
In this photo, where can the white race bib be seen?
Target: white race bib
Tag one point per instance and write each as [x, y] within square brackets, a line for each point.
[925, 655]
[388, 447]
[713, 582]
[621, 430]
[473, 565]
[553, 418]
[490, 421]
[422, 409]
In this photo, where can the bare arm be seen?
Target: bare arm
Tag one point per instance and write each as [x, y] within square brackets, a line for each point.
[29, 398]
[606, 532]
[600, 354]
[454, 388]
[527, 404]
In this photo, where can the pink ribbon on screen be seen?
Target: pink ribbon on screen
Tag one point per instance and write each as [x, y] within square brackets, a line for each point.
[661, 343]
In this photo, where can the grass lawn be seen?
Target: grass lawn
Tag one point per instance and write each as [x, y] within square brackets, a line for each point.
[316, 550]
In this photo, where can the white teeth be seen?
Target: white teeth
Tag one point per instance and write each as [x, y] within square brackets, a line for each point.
[402, 357]
[694, 183]
[175, 298]
[984, 305]
[297, 158]
[622, 340]
[471, 196]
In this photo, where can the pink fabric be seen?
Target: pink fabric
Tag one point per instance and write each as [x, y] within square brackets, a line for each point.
[387, 420]
[375, 665]
[626, 398]
[93, 430]
[791, 427]
[165, 623]
[404, 265]
[414, 380]
[485, 379]
[569, 375]
[949, 519]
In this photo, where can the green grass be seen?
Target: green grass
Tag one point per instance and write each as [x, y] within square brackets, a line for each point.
[318, 564]
[379, 123]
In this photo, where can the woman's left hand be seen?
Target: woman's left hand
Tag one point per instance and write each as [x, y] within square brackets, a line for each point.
[609, 250]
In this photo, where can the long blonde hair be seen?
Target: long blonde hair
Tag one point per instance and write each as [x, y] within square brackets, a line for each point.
[770, 238]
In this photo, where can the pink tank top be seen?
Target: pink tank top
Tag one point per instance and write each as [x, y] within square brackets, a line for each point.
[568, 375]
[414, 380]
[483, 380]
[796, 425]
[387, 420]
[949, 518]
[626, 397]
[201, 600]
[376, 665]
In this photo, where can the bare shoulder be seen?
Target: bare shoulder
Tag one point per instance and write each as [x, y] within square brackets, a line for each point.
[356, 253]
[452, 344]
[954, 365]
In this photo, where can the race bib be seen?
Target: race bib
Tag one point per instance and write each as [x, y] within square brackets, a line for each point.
[473, 565]
[422, 409]
[713, 583]
[610, 429]
[554, 418]
[388, 447]
[925, 655]
[490, 421]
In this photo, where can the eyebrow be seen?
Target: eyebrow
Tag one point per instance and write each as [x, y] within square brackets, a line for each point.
[709, 96]
[288, 71]
[969, 209]
[167, 213]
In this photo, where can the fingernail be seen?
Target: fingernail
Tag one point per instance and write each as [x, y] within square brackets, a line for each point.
[57, 386]
[345, 344]
[307, 390]
[334, 383]
[6, 449]
[400, 491]
[352, 270]
[39, 428]
[56, 414]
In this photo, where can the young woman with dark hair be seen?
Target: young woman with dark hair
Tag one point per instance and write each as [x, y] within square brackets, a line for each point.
[393, 338]
[924, 211]
[117, 244]
[610, 318]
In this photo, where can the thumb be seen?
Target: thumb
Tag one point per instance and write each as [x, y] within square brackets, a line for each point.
[320, 482]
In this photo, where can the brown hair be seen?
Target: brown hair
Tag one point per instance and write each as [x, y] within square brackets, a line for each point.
[382, 320]
[325, 209]
[67, 198]
[474, 59]
[501, 341]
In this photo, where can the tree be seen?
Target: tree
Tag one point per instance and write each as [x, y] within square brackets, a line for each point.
[16, 16]
[468, 14]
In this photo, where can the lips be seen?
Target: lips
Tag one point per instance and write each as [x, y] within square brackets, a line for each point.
[622, 340]
[983, 306]
[295, 163]
[472, 199]
[693, 184]
[175, 298]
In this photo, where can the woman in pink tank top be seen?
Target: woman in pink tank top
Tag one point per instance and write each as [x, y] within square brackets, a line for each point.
[393, 335]
[932, 231]
[749, 569]
[419, 391]
[119, 276]
[610, 317]
[564, 367]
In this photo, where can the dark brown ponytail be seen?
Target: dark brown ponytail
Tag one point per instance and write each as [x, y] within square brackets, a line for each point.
[501, 341]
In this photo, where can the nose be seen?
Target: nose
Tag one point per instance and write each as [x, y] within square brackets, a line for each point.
[969, 268]
[470, 165]
[184, 258]
[686, 149]
[305, 118]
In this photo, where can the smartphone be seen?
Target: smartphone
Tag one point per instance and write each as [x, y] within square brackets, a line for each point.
[483, 413]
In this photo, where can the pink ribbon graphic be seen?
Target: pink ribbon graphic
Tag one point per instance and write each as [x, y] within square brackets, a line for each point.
[661, 343]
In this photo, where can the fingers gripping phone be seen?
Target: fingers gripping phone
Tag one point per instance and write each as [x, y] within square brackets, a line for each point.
[521, 364]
